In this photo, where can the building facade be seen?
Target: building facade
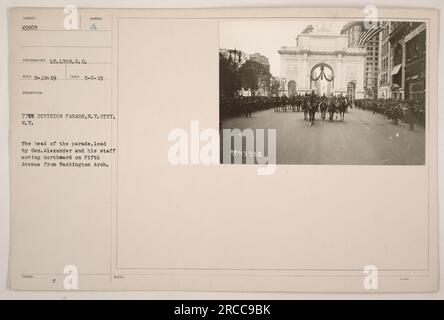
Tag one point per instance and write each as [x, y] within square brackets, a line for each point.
[322, 61]
[415, 68]
[398, 31]
[408, 55]
[385, 62]
[264, 81]
[353, 31]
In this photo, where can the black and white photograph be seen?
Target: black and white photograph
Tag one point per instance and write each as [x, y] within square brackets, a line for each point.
[335, 92]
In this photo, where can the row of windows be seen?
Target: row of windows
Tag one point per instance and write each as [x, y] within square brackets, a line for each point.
[384, 48]
[384, 78]
[415, 48]
[372, 49]
[373, 67]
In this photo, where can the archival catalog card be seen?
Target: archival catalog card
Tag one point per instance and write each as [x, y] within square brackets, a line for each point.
[223, 149]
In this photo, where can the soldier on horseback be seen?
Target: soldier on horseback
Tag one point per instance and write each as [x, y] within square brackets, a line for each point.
[312, 107]
[305, 106]
[342, 107]
[323, 106]
[331, 108]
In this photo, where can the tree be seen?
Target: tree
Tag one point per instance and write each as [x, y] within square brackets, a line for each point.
[229, 81]
[252, 75]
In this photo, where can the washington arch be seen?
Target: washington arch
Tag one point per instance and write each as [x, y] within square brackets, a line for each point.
[323, 48]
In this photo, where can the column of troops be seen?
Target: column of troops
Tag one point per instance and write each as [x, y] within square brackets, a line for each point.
[407, 111]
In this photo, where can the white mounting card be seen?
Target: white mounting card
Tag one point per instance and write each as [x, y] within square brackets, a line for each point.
[281, 149]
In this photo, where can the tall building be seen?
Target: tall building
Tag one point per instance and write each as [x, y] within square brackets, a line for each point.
[264, 81]
[385, 62]
[397, 33]
[257, 57]
[408, 53]
[354, 30]
[415, 68]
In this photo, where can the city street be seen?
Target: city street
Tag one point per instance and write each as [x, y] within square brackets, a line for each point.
[363, 138]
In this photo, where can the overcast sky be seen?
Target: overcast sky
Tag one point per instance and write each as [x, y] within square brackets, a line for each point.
[266, 37]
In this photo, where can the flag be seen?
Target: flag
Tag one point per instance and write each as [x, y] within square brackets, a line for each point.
[369, 34]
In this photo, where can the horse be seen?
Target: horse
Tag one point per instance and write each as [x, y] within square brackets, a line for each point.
[323, 108]
[285, 102]
[292, 103]
[305, 109]
[342, 109]
[298, 104]
[331, 110]
[312, 108]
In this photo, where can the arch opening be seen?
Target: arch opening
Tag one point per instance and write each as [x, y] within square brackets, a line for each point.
[322, 79]
[291, 88]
